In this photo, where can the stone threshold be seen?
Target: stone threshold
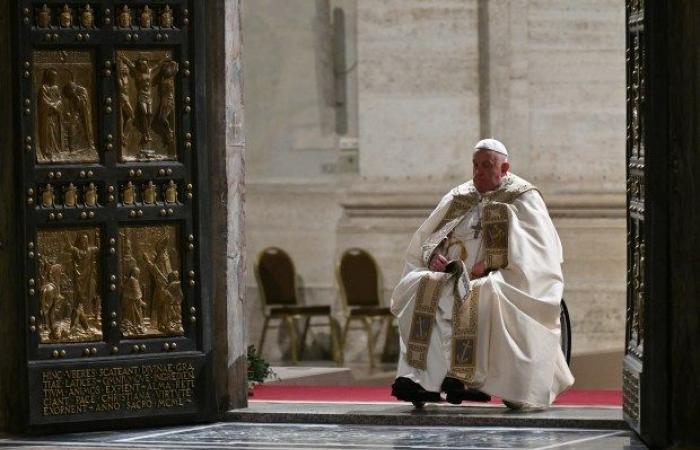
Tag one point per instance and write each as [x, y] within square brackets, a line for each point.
[580, 417]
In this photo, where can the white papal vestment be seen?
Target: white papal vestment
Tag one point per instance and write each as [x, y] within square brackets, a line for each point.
[499, 333]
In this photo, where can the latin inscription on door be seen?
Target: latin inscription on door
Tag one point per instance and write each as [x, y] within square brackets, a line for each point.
[117, 388]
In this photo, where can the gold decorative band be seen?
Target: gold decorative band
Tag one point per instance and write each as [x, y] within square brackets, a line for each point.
[495, 223]
[465, 320]
[427, 297]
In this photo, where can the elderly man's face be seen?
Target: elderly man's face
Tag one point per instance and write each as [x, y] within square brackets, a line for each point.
[489, 169]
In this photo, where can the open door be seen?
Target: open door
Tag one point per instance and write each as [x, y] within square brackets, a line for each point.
[111, 168]
[661, 366]
[645, 387]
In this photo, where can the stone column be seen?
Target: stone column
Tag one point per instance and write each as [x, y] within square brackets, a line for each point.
[226, 143]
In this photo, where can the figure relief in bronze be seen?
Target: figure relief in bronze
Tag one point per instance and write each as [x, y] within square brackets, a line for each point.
[166, 17]
[151, 289]
[66, 17]
[43, 19]
[132, 304]
[171, 192]
[65, 85]
[49, 116]
[70, 196]
[91, 195]
[124, 19]
[149, 193]
[166, 110]
[126, 116]
[146, 17]
[47, 196]
[147, 101]
[87, 17]
[129, 194]
[70, 307]
[78, 108]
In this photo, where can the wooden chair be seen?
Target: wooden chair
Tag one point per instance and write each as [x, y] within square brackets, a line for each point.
[360, 282]
[277, 281]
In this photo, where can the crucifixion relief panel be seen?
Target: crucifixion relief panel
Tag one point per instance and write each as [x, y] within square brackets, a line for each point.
[146, 85]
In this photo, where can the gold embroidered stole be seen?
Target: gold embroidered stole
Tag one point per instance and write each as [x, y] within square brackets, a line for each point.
[427, 297]
[495, 226]
[465, 327]
[465, 312]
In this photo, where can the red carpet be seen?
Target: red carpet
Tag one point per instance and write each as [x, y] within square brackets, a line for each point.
[267, 392]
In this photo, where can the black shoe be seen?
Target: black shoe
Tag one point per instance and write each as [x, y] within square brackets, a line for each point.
[410, 391]
[457, 392]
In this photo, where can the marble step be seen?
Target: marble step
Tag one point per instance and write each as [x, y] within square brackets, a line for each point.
[609, 418]
[316, 376]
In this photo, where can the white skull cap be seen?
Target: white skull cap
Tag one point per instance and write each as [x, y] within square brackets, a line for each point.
[491, 144]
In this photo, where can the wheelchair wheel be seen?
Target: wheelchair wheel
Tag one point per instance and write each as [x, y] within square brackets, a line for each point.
[565, 332]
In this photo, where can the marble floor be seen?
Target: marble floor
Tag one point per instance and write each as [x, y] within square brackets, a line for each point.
[257, 436]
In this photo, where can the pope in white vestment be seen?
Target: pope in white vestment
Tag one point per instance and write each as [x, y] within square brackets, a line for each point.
[479, 301]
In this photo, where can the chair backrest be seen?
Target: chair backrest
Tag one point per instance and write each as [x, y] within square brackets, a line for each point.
[359, 278]
[276, 277]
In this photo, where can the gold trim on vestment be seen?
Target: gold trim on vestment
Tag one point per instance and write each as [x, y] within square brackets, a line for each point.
[465, 335]
[460, 205]
[427, 297]
[495, 224]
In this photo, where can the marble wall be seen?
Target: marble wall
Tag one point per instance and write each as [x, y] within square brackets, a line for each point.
[556, 90]
[289, 73]
[418, 87]
[546, 77]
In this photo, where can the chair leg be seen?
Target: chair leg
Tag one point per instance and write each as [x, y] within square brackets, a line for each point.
[344, 339]
[302, 343]
[335, 344]
[291, 324]
[370, 340]
[266, 323]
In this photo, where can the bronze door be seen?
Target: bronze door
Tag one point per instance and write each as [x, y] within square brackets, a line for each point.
[112, 165]
[644, 380]
[636, 87]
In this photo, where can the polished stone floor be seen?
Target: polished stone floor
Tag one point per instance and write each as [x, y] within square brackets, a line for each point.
[257, 436]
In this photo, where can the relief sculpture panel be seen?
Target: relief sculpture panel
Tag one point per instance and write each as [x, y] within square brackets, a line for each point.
[151, 289]
[69, 288]
[146, 84]
[64, 95]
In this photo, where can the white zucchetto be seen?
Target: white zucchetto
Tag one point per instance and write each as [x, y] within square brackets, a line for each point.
[491, 144]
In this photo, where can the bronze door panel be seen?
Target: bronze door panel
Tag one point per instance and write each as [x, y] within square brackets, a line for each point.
[151, 282]
[64, 95]
[111, 169]
[69, 285]
[146, 85]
